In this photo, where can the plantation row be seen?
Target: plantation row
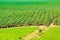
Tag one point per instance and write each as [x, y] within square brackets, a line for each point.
[33, 16]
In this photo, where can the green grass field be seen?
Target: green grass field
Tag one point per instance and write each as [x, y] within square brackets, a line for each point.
[15, 33]
[19, 33]
[52, 34]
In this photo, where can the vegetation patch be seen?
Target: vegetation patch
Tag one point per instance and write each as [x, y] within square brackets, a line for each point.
[15, 33]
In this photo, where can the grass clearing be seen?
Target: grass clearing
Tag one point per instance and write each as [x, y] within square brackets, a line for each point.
[52, 34]
[15, 33]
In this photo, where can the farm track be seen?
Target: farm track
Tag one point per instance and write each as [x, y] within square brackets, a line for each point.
[34, 34]
[31, 35]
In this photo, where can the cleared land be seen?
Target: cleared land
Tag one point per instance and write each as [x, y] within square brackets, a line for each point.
[20, 33]
[16, 33]
[52, 34]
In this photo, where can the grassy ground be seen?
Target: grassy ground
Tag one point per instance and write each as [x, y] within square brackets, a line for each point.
[19, 33]
[15, 33]
[52, 34]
